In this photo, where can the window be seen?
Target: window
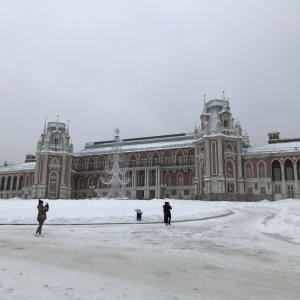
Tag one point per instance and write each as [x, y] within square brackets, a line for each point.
[249, 172]
[144, 162]
[263, 190]
[249, 191]
[277, 174]
[192, 160]
[14, 187]
[53, 183]
[289, 174]
[290, 191]
[155, 161]
[230, 188]
[192, 180]
[20, 183]
[179, 160]
[229, 172]
[261, 172]
[81, 165]
[180, 181]
[168, 161]
[8, 183]
[168, 180]
[277, 189]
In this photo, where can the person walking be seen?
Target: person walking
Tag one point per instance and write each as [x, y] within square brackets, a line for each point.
[167, 213]
[41, 216]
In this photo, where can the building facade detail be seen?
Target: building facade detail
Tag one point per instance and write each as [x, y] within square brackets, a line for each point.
[214, 162]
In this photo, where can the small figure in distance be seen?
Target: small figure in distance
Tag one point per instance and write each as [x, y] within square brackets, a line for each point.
[41, 215]
[167, 213]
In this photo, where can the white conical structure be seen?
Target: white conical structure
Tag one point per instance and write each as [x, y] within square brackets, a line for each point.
[116, 169]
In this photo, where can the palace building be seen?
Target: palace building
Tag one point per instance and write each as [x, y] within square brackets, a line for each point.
[214, 162]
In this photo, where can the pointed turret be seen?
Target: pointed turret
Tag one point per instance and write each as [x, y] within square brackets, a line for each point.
[45, 126]
[204, 107]
[67, 128]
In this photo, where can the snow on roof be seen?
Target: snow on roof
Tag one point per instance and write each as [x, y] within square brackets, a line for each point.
[274, 148]
[19, 167]
[146, 144]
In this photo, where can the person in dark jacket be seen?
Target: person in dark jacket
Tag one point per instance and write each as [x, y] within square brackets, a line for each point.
[41, 215]
[167, 213]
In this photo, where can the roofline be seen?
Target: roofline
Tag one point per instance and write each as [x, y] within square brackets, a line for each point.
[139, 139]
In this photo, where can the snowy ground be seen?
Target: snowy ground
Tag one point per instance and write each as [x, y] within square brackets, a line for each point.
[252, 253]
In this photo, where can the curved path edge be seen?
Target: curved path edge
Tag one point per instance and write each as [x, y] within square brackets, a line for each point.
[229, 212]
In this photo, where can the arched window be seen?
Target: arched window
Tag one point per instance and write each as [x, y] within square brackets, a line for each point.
[20, 183]
[81, 164]
[101, 163]
[192, 181]
[248, 170]
[133, 161]
[14, 183]
[91, 182]
[229, 147]
[167, 159]
[230, 187]
[155, 159]
[289, 170]
[180, 180]
[191, 158]
[53, 185]
[27, 180]
[229, 170]
[276, 170]
[167, 180]
[179, 158]
[8, 183]
[153, 179]
[144, 160]
[91, 164]
[261, 170]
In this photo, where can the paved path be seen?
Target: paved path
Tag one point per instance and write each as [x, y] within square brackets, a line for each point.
[221, 258]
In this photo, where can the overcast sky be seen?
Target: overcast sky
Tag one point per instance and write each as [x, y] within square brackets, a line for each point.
[144, 66]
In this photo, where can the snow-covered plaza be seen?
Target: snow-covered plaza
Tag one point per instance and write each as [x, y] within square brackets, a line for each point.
[96, 249]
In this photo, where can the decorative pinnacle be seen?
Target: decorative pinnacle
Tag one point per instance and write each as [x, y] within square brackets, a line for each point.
[45, 125]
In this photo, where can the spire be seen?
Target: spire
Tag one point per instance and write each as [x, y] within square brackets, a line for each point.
[224, 104]
[45, 125]
[57, 122]
[204, 110]
[68, 127]
[195, 132]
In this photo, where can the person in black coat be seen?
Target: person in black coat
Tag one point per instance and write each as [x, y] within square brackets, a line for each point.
[167, 213]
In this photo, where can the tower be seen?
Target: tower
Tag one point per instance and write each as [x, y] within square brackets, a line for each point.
[218, 149]
[53, 163]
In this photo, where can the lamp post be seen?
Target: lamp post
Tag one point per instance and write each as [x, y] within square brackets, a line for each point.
[163, 187]
[92, 187]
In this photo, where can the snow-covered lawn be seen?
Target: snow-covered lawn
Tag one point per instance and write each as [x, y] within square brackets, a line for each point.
[251, 252]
